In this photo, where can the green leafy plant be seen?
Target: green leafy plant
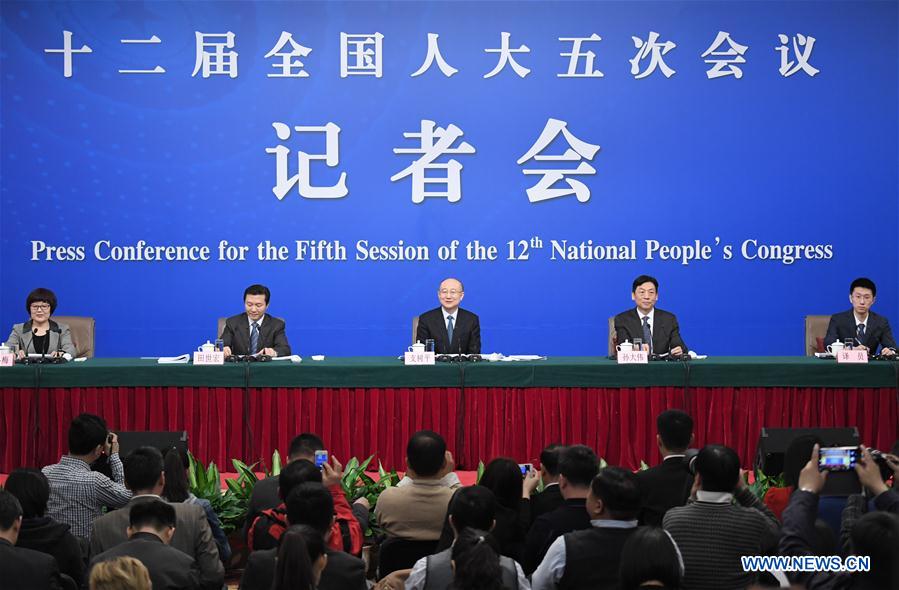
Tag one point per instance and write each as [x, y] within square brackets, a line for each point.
[763, 483]
[356, 483]
[205, 482]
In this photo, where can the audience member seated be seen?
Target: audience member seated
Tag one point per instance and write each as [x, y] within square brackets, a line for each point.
[265, 493]
[177, 490]
[513, 509]
[192, 535]
[416, 511]
[40, 532]
[30, 569]
[308, 504]
[875, 534]
[668, 484]
[151, 525]
[301, 560]
[577, 468]
[650, 559]
[591, 558]
[712, 533]
[472, 512]
[346, 534]
[121, 573]
[77, 494]
[551, 497]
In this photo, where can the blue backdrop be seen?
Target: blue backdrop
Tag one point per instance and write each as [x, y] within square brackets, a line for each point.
[175, 159]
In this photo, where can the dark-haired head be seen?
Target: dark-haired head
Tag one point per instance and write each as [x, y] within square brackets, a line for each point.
[426, 453]
[304, 445]
[177, 488]
[549, 460]
[472, 507]
[10, 512]
[87, 435]
[296, 473]
[614, 495]
[311, 504]
[152, 516]
[143, 470]
[258, 290]
[41, 296]
[502, 476]
[301, 559]
[578, 466]
[475, 555]
[863, 283]
[876, 534]
[796, 456]
[650, 554]
[642, 279]
[675, 430]
[718, 468]
[32, 489]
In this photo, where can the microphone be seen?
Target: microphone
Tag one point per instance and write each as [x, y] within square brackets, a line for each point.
[59, 358]
[33, 333]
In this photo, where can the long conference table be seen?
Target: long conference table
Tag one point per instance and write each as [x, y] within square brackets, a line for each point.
[366, 405]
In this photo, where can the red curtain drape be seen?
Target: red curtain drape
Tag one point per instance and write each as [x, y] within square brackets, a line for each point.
[478, 423]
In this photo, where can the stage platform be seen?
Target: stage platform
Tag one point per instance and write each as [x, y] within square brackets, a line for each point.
[371, 405]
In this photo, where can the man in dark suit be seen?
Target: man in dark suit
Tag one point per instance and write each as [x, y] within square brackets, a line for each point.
[869, 330]
[192, 535]
[655, 327]
[550, 498]
[150, 530]
[310, 504]
[577, 467]
[453, 329]
[23, 568]
[255, 332]
[668, 484]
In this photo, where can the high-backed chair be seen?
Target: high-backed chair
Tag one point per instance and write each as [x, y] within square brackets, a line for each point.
[815, 330]
[414, 329]
[613, 337]
[82, 333]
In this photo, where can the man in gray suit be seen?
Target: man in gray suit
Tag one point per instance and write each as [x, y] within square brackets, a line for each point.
[144, 476]
[254, 331]
[657, 328]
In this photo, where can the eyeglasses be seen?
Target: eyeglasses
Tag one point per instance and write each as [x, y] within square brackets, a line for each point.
[451, 292]
[40, 306]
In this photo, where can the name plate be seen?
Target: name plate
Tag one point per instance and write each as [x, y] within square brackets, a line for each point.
[852, 356]
[419, 358]
[209, 358]
[636, 357]
[7, 359]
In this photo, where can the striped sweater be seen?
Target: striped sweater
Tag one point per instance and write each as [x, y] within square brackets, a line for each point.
[712, 537]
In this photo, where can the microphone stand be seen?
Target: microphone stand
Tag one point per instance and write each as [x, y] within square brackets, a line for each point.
[26, 360]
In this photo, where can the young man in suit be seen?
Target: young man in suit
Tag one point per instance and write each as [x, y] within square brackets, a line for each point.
[668, 484]
[23, 568]
[869, 330]
[657, 328]
[192, 536]
[151, 526]
[453, 329]
[255, 332]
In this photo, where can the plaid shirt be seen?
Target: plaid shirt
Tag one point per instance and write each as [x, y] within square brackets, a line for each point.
[77, 494]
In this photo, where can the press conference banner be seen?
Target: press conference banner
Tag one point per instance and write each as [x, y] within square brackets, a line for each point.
[159, 157]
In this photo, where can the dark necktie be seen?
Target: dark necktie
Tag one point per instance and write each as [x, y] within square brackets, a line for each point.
[254, 338]
[861, 333]
[647, 333]
[449, 329]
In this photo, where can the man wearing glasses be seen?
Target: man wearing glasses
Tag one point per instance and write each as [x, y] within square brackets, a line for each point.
[453, 329]
[866, 329]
